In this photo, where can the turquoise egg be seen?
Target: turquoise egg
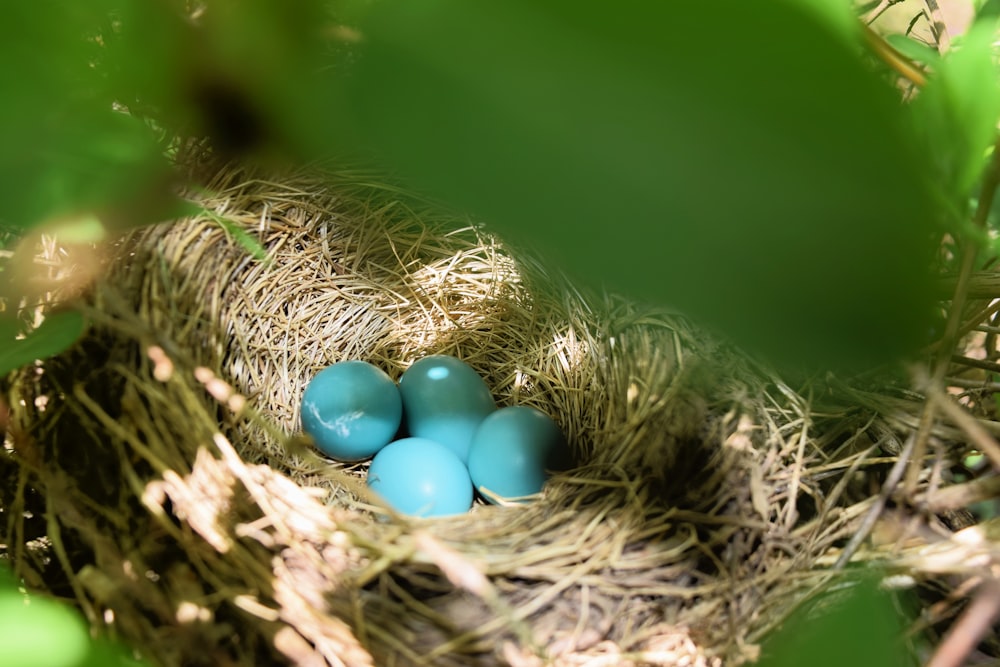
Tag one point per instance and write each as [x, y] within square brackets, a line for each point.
[444, 400]
[511, 450]
[351, 409]
[420, 477]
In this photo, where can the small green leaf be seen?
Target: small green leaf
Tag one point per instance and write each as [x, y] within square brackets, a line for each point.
[249, 242]
[54, 335]
[914, 50]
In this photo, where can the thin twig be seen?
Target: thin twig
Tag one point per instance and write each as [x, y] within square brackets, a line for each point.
[880, 9]
[872, 517]
[982, 285]
[958, 496]
[893, 58]
[970, 627]
[979, 436]
[981, 364]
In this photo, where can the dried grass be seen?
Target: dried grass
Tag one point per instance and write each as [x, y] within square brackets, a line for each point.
[185, 514]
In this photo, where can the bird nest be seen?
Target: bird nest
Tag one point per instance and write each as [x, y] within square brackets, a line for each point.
[156, 475]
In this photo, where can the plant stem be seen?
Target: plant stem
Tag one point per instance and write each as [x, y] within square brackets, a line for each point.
[970, 628]
[942, 358]
[893, 58]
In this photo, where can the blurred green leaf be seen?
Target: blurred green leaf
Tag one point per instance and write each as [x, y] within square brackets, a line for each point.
[839, 15]
[84, 229]
[958, 111]
[38, 632]
[253, 76]
[987, 9]
[97, 90]
[105, 653]
[861, 628]
[85, 165]
[735, 160]
[66, 149]
[8, 582]
[150, 50]
[55, 334]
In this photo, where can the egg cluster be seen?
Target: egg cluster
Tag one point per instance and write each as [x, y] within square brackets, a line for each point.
[435, 437]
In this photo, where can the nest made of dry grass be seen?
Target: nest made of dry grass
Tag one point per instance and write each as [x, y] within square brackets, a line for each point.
[185, 514]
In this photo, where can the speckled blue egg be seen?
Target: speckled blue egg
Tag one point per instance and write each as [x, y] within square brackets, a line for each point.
[444, 400]
[511, 450]
[351, 409]
[420, 477]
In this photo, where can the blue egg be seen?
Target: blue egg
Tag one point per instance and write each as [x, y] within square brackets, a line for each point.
[444, 399]
[351, 409]
[420, 477]
[511, 450]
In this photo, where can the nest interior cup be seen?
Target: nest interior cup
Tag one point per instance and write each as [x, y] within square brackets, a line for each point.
[669, 540]
[355, 272]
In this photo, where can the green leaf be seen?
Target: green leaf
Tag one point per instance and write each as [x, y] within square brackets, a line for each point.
[105, 653]
[252, 76]
[84, 229]
[958, 111]
[838, 15]
[987, 9]
[914, 50]
[38, 632]
[735, 160]
[30, 625]
[861, 628]
[54, 335]
[67, 151]
[249, 242]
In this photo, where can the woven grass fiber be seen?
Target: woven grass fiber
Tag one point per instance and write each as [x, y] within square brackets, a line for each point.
[155, 473]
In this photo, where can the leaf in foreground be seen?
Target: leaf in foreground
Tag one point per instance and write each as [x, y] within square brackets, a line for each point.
[735, 160]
